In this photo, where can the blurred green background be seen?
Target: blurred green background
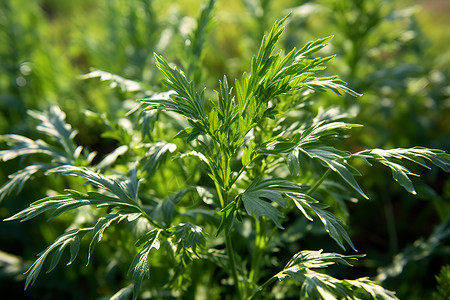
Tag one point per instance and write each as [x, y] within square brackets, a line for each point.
[396, 53]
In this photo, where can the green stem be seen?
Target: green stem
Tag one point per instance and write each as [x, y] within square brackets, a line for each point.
[311, 190]
[232, 262]
[219, 192]
[318, 183]
[257, 254]
[270, 280]
[262, 287]
[146, 216]
[229, 247]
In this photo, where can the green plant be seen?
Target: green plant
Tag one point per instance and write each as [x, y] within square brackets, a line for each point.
[384, 51]
[201, 193]
[443, 279]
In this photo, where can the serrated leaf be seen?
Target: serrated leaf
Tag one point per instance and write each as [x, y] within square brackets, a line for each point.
[190, 134]
[187, 235]
[256, 196]
[321, 130]
[317, 285]
[255, 204]
[54, 125]
[418, 155]
[333, 225]
[330, 83]
[165, 209]
[103, 223]
[318, 259]
[73, 236]
[185, 100]
[198, 155]
[125, 190]
[62, 203]
[371, 288]
[23, 146]
[294, 162]
[336, 161]
[19, 178]
[227, 217]
[139, 266]
[313, 136]
[156, 155]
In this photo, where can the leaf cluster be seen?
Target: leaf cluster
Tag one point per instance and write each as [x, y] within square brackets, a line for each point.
[258, 171]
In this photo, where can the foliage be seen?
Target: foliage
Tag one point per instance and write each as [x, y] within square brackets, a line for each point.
[443, 290]
[215, 194]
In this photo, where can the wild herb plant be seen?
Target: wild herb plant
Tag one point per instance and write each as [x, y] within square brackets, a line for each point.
[383, 51]
[207, 185]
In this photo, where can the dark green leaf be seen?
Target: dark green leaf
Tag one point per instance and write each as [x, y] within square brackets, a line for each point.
[165, 209]
[103, 223]
[333, 225]
[139, 266]
[19, 178]
[336, 161]
[189, 236]
[256, 196]
[228, 216]
[294, 162]
[125, 190]
[70, 237]
[69, 201]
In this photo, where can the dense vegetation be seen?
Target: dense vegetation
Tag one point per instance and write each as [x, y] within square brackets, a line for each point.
[171, 140]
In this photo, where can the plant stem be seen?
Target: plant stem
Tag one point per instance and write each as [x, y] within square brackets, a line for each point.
[219, 192]
[147, 217]
[229, 246]
[318, 183]
[259, 246]
[265, 284]
[232, 262]
[270, 280]
[311, 190]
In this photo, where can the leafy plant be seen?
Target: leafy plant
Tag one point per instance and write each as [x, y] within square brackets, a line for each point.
[215, 186]
[443, 290]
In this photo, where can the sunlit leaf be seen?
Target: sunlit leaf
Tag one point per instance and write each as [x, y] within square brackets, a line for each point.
[187, 235]
[156, 155]
[317, 285]
[124, 84]
[333, 225]
[125, 190]
[394, 157]
[336, 161]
